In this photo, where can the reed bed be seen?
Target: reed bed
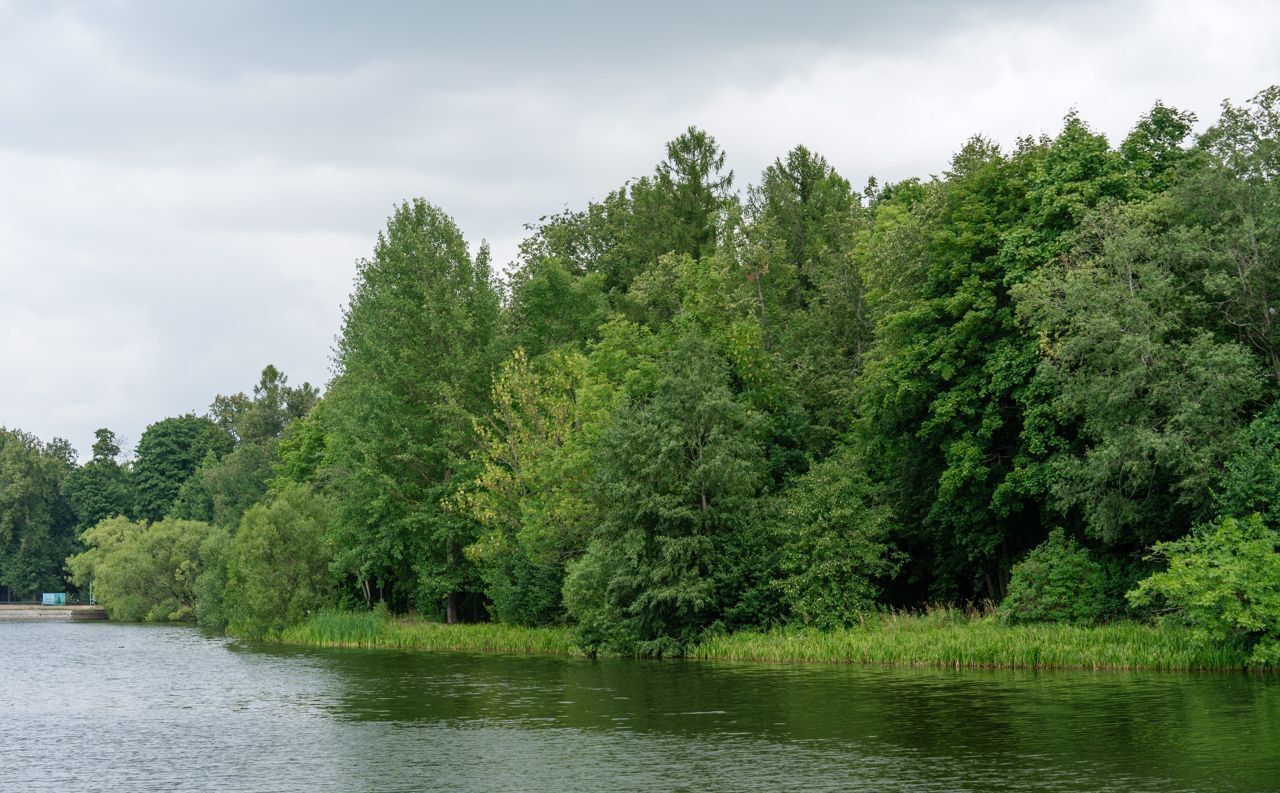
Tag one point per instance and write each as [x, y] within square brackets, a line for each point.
[954, 639]
[375, 630]
[940, 637]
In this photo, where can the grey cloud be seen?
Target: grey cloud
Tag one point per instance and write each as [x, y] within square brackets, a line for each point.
[184, 188]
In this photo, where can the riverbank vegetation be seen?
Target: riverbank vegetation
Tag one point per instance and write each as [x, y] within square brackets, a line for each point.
[949, 638]
[378, 629]
[690, 416]
[937, 637]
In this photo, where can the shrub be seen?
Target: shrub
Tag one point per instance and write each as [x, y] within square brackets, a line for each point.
[142, 571]
[835, 537]
[1224, 581]
[1056, 582]
[211, 584]
[278, 564]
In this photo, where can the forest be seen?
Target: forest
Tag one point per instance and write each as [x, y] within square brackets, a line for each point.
[1045, 381]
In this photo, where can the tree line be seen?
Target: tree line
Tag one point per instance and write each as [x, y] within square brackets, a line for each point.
[689, 408]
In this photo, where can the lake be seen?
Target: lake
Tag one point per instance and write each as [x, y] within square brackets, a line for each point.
[158, 708]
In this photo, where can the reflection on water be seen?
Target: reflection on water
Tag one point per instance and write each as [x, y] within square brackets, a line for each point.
[136, 708]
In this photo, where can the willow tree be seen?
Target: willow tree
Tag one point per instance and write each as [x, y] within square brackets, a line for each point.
[413, 365]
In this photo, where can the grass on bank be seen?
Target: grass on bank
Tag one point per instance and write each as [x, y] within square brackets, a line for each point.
[952, 638]
[372, 629]
[941, 637]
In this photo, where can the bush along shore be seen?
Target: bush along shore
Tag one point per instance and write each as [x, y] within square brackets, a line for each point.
[942, 637]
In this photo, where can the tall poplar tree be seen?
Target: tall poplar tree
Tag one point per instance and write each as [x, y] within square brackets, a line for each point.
[413, 365]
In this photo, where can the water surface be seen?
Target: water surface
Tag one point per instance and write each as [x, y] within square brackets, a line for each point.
[143, 708]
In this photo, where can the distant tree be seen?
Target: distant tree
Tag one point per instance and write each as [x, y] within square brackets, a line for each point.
[168, 454]
[223, 487]
[263, 415]
[101, 488]
[37, 521]
[695, 189]
[676, 209]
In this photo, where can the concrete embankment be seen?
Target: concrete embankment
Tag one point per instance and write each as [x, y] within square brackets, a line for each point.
[12, 612]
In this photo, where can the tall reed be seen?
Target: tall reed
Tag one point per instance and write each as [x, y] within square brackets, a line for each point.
[373, 630]
[940, 637]
[944, 637]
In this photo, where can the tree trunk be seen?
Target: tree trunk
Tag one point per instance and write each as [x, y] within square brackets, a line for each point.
[991, 587]
[455, 598]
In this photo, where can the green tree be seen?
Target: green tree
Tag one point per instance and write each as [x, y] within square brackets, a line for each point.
[951, 407]
[677, 209]
[530, 492]
[142, 571]
[550, 307]
[695, 190]
[211, 583]
[1251, 476]
[1154, 399]
[1154, 151]
[101, 488]
[1229, 223]
[675, 478]
[801, 262]
[168, 454]
[221, 489]
[262, 416]
[414, 364]
[304, 449]
[278, 563]
[37, 521]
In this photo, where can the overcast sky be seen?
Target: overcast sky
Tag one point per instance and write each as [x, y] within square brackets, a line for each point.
[184, 188]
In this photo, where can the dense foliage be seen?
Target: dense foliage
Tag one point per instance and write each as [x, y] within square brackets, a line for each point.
[37, 519]
[277, 565]
[687, 410]
[1223, 580]
[140, 570]
[1057, 581]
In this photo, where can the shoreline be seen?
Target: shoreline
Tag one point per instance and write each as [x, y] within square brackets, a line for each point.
[35, 612]
[945, 640]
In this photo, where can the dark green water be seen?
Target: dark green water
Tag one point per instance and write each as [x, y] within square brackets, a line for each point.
[134, 708]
